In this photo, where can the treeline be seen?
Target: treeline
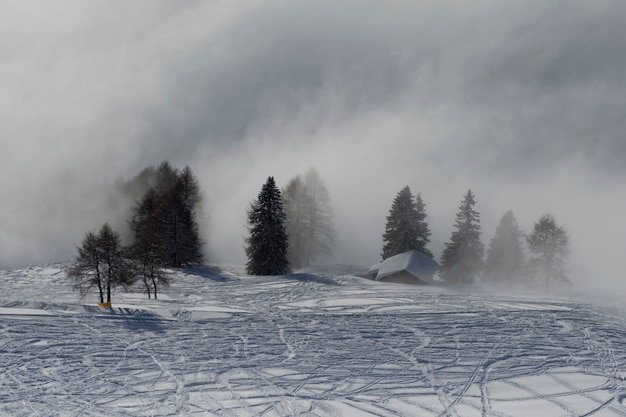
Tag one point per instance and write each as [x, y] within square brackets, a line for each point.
[292, 227]
[288, 228]
[165, 234]
[464, 259]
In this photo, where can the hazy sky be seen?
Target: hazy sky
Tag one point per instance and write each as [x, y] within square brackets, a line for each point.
[524, 102]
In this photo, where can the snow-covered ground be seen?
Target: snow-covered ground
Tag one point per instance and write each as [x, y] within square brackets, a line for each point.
[220, 343]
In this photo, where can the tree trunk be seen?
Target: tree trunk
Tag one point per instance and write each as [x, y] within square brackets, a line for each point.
[145, 279]
[100, 289]
[101, 292]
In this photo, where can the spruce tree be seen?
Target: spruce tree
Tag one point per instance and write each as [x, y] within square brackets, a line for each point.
[505, 255]
[548, 245]
[462, 258]
[423, 231]
[406, 227]
[267, 244]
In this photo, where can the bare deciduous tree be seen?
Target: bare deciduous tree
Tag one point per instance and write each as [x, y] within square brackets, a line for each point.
[101, 263]
[309, 219]
[548, 245]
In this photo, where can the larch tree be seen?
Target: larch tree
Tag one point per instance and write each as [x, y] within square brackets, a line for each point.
[143, 212]
[406, 226]
[146, 248]
[189, 188]
[86, 269]
[309, 219]
[549, 248]
[166, 178]
[295, 222]
[505, 261]
[167, 214]
[462, 257]
[177, 231]
[267, 244]
[101, 263]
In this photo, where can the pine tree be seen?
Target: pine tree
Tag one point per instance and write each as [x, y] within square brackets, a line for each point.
[548, 245]
[406, 227]
[309, 219]
[462, 258]
[267, 244]
[101, 263]
[505, 255]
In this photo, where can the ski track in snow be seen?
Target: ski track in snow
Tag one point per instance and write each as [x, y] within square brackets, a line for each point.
[220, 343]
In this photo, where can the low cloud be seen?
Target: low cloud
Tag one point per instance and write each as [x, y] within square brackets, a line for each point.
[522, 103]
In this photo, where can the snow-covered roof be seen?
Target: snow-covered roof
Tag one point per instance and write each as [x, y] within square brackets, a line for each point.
[416, 263]
[374, 269]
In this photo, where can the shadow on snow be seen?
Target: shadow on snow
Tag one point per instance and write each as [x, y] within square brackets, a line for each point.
[134, 319]
[313, 279]
[213, 273]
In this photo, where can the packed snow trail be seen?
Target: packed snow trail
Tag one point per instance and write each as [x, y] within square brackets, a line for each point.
[220, 343]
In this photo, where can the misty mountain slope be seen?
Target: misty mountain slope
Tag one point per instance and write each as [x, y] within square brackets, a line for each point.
[220, 343]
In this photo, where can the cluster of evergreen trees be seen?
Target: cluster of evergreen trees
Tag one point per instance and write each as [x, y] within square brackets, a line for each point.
[165, 234]
[463, 258]
[289, 228]
[406, 227]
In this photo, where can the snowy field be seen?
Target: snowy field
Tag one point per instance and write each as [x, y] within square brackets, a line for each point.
[220, 343]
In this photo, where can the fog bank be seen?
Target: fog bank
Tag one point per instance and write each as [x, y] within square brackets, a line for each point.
[522, 102]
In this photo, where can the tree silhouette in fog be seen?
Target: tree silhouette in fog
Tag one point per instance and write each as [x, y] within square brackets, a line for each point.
[462, 258]
[548, 244]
